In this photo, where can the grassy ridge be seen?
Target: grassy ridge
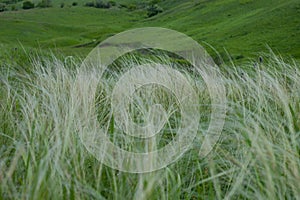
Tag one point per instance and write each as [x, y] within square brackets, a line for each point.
[62, 27]
[45, 107]
[243, 27]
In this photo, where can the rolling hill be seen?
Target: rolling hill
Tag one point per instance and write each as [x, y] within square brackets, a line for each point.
[242, 27]
[69, 133]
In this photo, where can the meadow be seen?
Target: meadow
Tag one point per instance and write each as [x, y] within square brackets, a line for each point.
[44, 104]
[240, 28]
[42, 156]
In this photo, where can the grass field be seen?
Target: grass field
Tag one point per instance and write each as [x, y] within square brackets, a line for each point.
[47, 102]
[242, 27]
[257, 156]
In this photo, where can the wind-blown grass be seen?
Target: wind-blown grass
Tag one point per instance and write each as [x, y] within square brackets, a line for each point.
[257, 157]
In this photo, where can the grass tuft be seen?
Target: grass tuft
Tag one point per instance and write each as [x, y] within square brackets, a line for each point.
[41, 156]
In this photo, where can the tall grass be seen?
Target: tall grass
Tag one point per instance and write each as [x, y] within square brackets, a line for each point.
[41, 156]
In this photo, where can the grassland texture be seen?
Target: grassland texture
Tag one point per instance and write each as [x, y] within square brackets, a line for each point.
[243, 27]
[257, 156]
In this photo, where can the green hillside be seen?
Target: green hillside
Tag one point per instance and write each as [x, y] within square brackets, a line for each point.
[242, 27]
[137, 129]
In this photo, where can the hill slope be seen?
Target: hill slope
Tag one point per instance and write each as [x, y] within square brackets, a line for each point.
[242, 27]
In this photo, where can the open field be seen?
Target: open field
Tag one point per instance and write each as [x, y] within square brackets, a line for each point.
[48, 102]
[242, 27]
[43, 112]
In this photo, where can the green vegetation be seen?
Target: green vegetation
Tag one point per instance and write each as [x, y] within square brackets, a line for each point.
[153, 9]
[44, 4]
[2, 7]
[28, 5]
[44, 103]
[43, 111]
[243, 28]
